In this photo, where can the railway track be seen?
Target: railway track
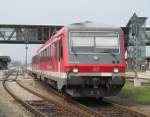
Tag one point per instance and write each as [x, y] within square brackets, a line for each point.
[147, 75]
[126, 109]
[44, 107]
[144, 81]
[140, 76]
[88, 112]
[103, 108]
[110, 109]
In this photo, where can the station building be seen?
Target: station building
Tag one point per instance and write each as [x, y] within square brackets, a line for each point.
[144, 62]
[4, 60]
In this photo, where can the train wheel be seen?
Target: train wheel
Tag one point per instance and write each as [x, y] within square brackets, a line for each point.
[64, 92]
[100, 98]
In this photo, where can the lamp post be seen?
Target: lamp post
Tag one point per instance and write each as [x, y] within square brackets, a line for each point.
[26, 54]
[25, 36]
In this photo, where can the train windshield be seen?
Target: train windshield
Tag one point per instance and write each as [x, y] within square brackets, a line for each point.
[94, 42]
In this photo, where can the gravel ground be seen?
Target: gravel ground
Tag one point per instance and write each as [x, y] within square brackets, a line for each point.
[9, 107]
[40, 87]
[20, 92]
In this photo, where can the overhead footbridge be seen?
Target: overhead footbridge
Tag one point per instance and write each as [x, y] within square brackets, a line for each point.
[28, 34]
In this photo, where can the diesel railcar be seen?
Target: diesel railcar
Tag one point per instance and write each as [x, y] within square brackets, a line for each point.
[83, 60]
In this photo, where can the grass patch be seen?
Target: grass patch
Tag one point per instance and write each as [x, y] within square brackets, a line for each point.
[139, 95]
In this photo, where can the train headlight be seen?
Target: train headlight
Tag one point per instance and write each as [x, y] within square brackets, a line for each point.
[116, 70]
[75, 70]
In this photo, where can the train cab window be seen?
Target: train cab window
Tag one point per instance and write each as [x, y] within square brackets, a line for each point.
[94, 42]
[107, 44]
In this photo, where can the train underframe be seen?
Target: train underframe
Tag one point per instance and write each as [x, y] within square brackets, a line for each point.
[87, 86]
[92, 86]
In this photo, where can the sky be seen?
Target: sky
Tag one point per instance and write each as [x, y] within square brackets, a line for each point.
[112, 12]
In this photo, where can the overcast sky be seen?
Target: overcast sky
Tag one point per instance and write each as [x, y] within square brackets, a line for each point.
[113, 12]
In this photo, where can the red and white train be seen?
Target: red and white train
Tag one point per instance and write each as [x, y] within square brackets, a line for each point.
[83, 60]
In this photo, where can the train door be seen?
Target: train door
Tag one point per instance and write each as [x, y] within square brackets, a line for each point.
[59, 54]
[53, 58]
[56, 57]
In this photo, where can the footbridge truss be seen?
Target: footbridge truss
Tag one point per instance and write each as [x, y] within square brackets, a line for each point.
[31, 34]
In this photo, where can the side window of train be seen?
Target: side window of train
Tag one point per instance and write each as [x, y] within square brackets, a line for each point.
[52, 47]
[60, 49]
[41, 57]
[50, 52]
[55, 51]
[46, 52]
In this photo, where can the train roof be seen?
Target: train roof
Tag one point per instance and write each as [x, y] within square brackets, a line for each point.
[88, 25]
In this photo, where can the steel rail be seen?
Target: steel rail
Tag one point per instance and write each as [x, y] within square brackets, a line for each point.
[24, 104]
[40, 114]
[96, 113]
[145, 81]
[132, 76]
[128, 110]
[79, 105]
[88, 111]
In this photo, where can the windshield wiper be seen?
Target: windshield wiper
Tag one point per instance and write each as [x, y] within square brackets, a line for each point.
[109, 51]
[75, 53]
[113, 55]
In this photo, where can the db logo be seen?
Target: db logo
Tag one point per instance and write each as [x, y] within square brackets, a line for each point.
[95, 69]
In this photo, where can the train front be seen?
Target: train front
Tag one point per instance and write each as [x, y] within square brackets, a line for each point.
[96, 63]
